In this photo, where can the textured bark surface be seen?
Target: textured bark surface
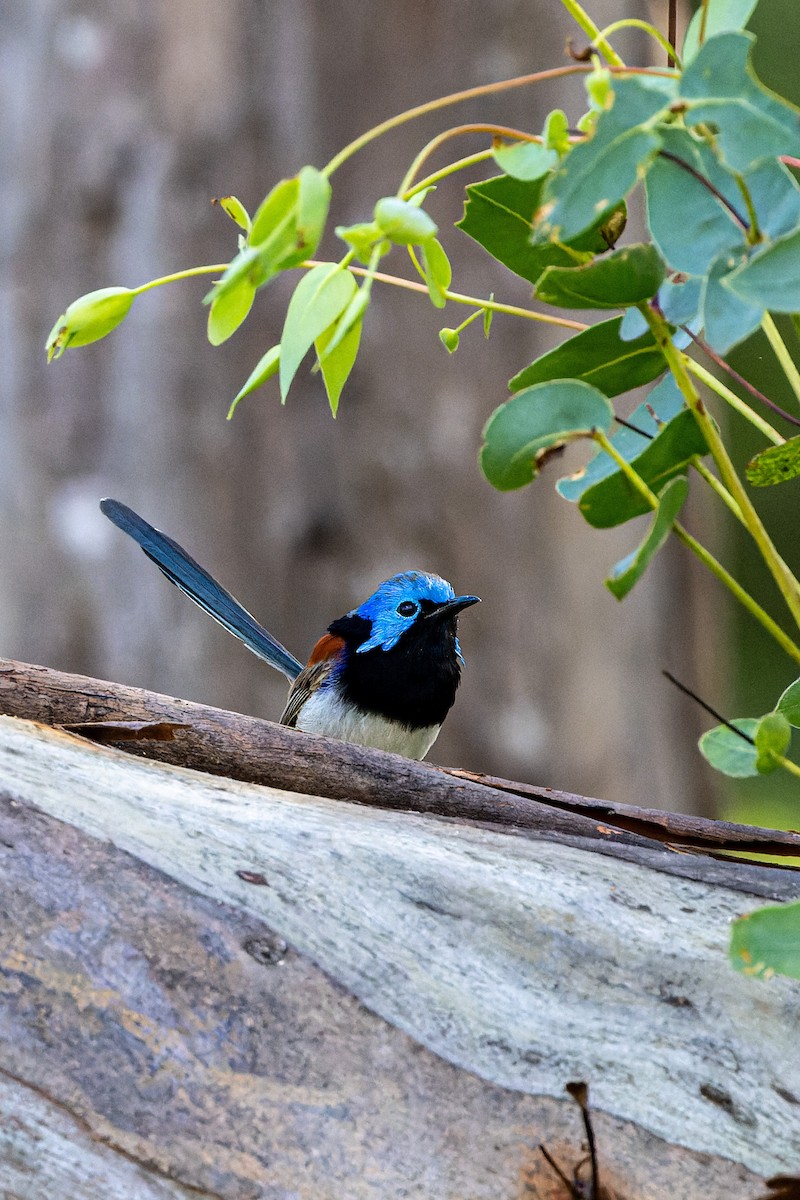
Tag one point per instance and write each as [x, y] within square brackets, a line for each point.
[241, 747]
[119, 122]
[176, 1026]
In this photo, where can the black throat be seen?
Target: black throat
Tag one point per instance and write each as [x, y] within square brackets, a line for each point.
[414, 683]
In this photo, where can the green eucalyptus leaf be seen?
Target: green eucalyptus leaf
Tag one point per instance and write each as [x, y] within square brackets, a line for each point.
[498, 215]
[771, 278]
[403, 222]
[728, 752]
[319, 298]
[274, 221]
[662, 404]
[352, 315]
[633, 325]
[236, 211]
[246, 268]
[621, 278]
[614, 500]
[265, 368]
[556, 132]
[721, 16]
[689, 223]
[630, 570]
[336, 360]
[772, 737]
[776, 198]
[599, 357]
[767, 942]
[362, 237]
[228, 311]
[520, 432]
[728, 319]
[789, 704]
[438, 272]
[680, 299]
[598, 173]
[313, 202]
[776, 464]
[88, 319]
[720, 89]
[524, 160]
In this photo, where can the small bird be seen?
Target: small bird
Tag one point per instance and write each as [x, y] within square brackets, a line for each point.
[384, 675]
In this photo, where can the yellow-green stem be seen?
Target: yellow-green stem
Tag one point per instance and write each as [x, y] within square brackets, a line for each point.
[786, 763]
[512, 310]
[460, 165]
[486, 89]
[433, 145]
[636, 23]
[211, 269]
[705, 556]
[712, 481]
[582, 18]
[736, 402]
[782, 354]
[678, 364]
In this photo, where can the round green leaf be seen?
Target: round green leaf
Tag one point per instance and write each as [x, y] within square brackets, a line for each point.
[727, 752]
[523, 429]
[772, 736]
[89, 319]
[767, 942]
[524, 160]
[789, 704]
[403, 222]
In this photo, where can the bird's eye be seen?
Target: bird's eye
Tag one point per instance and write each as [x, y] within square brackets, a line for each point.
[407, 608]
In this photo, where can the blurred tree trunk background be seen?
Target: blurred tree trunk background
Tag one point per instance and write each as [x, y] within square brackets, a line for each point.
[119, 122]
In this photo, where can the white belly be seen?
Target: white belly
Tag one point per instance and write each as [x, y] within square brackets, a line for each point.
[325, 713]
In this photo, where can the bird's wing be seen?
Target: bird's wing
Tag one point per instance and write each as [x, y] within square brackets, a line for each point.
[196, 583]
[324, 658]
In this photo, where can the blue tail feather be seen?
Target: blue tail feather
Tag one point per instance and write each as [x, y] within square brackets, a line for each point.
[196, 583]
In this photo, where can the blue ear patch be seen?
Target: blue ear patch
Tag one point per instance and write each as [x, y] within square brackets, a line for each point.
[394, 607]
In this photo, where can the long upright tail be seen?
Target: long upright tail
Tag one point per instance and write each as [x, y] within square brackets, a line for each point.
[182, 570]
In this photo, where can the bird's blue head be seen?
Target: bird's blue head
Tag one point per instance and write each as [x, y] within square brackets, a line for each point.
[402, 601]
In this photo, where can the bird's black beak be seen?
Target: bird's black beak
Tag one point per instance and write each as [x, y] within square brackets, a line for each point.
[452, 608]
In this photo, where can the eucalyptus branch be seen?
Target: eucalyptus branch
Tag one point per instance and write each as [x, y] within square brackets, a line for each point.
[473, 93]
[210, 269]
[678, 365]
[457, 298]
[460, 164]
[724, 365]
[517, 135]
[582, 18]
[709, 186]
[736, 402]
[706, 557]
[715, 485]
[651, 30]
[781, 353]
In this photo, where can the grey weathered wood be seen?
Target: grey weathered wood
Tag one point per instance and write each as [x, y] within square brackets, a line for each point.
[525, 962]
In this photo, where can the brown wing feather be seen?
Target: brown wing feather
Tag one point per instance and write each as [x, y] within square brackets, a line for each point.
[320, 664]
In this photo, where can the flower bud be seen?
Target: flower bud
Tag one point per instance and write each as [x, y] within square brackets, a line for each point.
[88, 319]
